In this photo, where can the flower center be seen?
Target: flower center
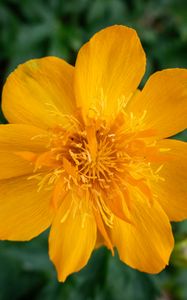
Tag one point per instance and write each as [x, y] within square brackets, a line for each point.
[108, 164]
[94, 156]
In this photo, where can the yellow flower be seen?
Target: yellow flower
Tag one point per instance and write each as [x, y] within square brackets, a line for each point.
[87, 153]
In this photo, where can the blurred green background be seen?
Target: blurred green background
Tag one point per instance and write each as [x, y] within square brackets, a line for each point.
[30, 29]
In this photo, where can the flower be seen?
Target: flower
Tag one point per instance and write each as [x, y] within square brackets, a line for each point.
[87, 153]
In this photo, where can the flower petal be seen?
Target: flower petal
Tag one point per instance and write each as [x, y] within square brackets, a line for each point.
[38, 92]
[12, 165]
[108, 70]
[164, 100]
[72, 237]
[25, 212]
[172, 190]
[147, 244]
[17, 137]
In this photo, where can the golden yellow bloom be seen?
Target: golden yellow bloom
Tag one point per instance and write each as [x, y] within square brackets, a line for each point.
[87, 153]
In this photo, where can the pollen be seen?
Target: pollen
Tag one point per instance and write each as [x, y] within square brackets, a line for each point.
[102, 161]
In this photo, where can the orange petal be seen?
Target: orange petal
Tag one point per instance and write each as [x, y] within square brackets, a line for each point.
[108, 71]
[99, 241]
[163, 99]
[72, 237]
[38, 92]
[102, 229]
[147, 244]
[25, 212]
[18, 144]
[119, 204]
[172, 190]
[16, 137]
[59, 192]
[11, 165]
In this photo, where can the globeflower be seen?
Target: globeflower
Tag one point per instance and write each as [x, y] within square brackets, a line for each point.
[87, 153]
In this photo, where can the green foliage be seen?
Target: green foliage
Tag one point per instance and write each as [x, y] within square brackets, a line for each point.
[31, 29]
[37, 28]
[26, 268]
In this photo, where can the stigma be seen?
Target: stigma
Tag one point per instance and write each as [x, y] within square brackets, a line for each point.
[102, 163]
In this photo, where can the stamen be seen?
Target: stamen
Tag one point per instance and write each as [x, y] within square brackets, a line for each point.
[105, 162]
